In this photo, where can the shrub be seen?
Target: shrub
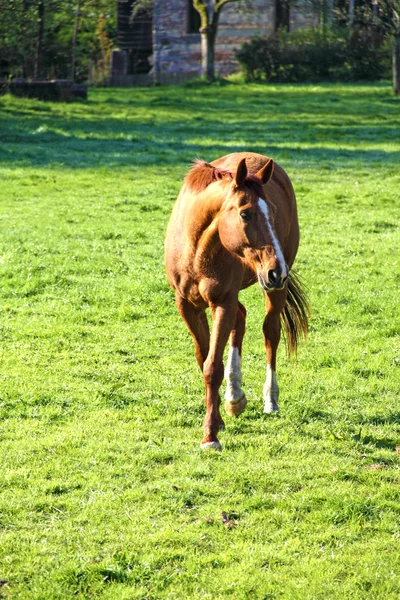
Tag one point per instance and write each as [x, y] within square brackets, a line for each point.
[314, 55]
[369, 55]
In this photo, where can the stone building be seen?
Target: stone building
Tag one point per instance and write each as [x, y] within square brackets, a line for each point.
[164, 47]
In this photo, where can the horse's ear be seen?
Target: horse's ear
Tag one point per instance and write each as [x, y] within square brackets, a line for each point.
[241, 173]
[265, 173]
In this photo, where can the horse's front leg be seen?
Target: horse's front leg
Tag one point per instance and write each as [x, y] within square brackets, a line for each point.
[223, 316]
[196, 322]
[235, 397]
[275, 301]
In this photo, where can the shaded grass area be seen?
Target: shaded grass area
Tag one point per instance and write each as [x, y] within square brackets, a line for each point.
[104, 490]
[152, 127]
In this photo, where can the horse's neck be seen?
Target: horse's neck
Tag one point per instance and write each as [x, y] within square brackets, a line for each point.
[202, 228]
[201, 214]
[208, 246]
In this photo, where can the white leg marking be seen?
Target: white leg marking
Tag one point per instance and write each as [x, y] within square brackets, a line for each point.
[211, 445]
[275, 242]
[271, 392]
[233, 376]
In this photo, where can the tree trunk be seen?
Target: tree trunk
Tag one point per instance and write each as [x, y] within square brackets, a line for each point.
[375, 15]
[351, 12]
[208, 53]
[209, 11]
[396, 63]
[74, 41]
[38, 56]
[22, 39]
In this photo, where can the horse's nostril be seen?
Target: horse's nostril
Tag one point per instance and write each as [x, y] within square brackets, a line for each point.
[274, 276]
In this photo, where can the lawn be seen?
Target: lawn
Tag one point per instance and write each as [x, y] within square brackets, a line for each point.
[104, 491]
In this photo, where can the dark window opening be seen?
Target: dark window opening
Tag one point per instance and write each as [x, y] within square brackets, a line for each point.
[134, 35]
[193, 18]
[282, 15]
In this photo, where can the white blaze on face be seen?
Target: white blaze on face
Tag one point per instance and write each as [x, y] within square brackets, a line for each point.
[233, 376]
[271, 392]
[278, 251]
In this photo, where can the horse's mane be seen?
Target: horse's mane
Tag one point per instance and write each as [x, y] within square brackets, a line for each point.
[202, 174]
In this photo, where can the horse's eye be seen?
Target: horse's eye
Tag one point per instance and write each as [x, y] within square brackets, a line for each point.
[245, 215]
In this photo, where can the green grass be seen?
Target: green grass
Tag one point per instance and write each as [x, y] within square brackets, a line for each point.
[104, 491]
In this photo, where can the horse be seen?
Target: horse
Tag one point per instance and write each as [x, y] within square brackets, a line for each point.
[235, 223]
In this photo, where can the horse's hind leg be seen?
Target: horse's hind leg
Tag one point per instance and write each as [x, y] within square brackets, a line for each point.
[196, 322]
[235, 397]
[275, 302]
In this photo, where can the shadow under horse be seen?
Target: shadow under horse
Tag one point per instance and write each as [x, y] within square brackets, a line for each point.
[235, 223]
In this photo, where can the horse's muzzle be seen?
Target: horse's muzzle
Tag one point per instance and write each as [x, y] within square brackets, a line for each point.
[276, 280]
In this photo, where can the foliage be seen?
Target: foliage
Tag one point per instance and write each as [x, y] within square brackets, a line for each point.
[316, 55]
[104, 492]
[19, 36]
[105, 45]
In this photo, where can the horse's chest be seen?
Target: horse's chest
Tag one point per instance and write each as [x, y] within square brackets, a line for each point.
[188, 288]
[212, 290]
[202, 292]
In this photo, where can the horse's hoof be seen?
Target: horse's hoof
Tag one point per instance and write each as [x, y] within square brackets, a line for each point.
[211, 446]
[271, 407]
[236, 407]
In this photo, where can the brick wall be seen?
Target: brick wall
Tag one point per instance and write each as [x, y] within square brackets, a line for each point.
[176, 53]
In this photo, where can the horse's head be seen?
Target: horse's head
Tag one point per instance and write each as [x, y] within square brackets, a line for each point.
[246, 226]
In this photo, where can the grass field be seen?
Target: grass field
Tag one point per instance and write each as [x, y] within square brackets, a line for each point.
[104, 491]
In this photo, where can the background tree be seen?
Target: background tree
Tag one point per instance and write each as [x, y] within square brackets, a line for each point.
[396, 52]
[75, 39]
[209, 12]
[383, 20]
[18, 36]
[55, 38]
[390, 17]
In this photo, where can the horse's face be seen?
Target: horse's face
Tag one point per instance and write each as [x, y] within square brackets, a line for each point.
[247, 227]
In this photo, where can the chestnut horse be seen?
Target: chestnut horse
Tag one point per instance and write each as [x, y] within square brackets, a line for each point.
[235, 223]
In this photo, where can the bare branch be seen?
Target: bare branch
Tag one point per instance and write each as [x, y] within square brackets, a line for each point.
[246, 6]
[220, 3]
[143, 6]
[201, 8]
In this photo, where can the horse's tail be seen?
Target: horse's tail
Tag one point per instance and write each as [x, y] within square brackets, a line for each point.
[295, 314]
